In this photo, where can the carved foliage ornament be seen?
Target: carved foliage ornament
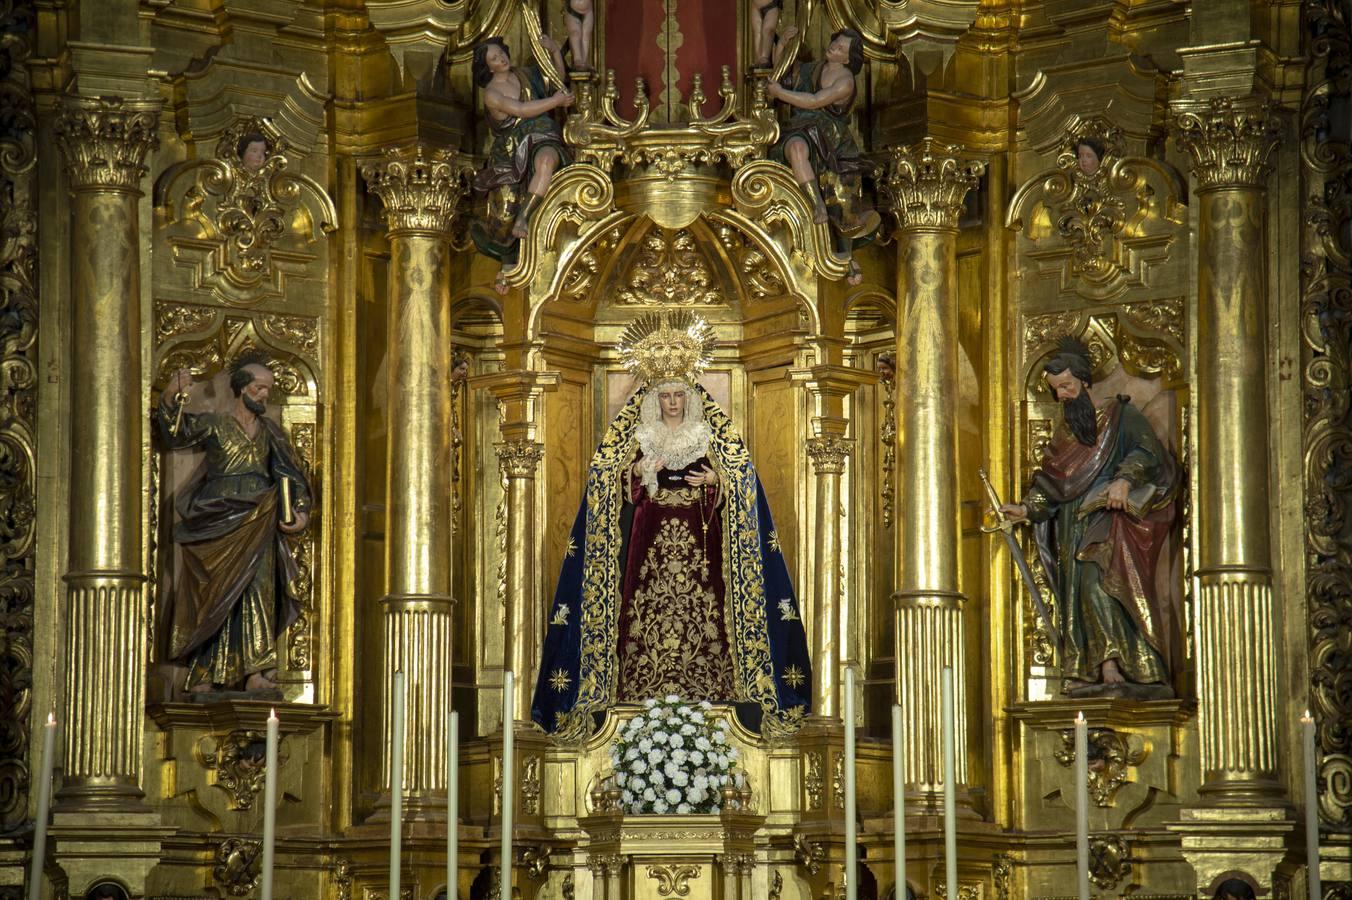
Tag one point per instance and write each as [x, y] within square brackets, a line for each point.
[829, 453]
[421, 188]
[18, 394]
[239, 760]
[673, 881]
[1229, 140]
[1111, 754]
[670, 269]
[105, 141]
[1326, 331]
[1109, 860]
[928, 183]
[239, 865]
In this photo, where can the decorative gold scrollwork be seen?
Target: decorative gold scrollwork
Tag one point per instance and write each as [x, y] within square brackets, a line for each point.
[673, 881]
[1111, 755]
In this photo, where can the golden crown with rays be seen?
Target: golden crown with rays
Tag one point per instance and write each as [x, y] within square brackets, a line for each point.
[672, 345]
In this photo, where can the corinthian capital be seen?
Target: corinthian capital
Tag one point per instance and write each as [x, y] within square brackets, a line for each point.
[105, 140]
[829, 453]
[420, 187]
[928, 182]
[1229, 140]
[519, 459]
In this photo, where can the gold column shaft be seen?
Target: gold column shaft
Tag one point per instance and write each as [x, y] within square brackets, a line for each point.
[928, 183]
[105, 143]
[828, 454]
[1229, 142]
[420, 190]
[519, 460]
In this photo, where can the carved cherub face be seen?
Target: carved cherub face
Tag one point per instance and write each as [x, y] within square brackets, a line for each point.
[886, 371]
[1087, 157]
[461, 370]
[672, 402]
[254, 155]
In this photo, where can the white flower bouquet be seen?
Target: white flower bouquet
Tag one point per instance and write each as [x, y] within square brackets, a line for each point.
[671, 759]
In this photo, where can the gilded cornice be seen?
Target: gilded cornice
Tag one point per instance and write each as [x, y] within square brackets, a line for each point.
[928, 181]
[420, 187]
[105, 141]
[1229, 140]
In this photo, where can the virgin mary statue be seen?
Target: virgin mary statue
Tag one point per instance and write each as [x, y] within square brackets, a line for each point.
[679, 586]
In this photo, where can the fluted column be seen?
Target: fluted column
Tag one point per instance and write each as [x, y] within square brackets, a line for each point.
[420, 189]
[1229, 143]
[105, 143]
[519, 453]
[928, 182]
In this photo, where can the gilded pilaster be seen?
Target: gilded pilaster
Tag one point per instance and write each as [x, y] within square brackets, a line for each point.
[1230, 142]
[104, 143]
[521, 396]
[420, 189]
[928, 182]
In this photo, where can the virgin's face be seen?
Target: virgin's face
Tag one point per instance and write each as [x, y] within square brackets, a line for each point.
[672, 401]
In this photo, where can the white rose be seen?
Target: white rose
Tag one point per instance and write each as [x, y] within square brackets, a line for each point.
[660, 737]
[672, 698]
[655, 756]
[650, 703]
[688, 729]
[683, 809]
[702, 743]
[659, 807]
[681, 778]
[679, 757]
[636, 766]
[628, 798]
[673, 796]
[670, 768]
[676, 741]
[696, 758]
[649, 794]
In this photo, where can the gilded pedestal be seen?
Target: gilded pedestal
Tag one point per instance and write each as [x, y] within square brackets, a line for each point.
[420, 189]
[928, 182]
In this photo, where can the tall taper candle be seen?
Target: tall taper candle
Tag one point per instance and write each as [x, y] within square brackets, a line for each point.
[950, 741]
[1311, 808]
[1082, 806]
[453, 806]
[270, 804]
[851, 835]
[899, 800]
[44, 809]
[396, 783]
[508, 789]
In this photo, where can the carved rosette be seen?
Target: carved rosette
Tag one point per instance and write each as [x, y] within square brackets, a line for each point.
[420, 187]
[519, 459]
[928, 182]
[105, 141]
[1229, 140]
[829, 453]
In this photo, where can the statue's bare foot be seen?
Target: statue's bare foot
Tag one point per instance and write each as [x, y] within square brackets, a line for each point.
[853, 274]
[1111, 673]
[206, 687]
[258, 682]
[500, 284]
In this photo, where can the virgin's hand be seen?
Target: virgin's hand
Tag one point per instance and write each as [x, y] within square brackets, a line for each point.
[702, 478]
[297, 525]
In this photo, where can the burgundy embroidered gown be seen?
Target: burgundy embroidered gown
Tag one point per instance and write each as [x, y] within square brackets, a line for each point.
[673, 631]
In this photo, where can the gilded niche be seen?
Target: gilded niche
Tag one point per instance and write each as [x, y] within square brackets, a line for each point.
[1100, 222]
[241, 222]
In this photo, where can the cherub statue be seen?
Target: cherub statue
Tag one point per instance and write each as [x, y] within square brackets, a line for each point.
[580, 18]
[527, 147]
[817, 145]
[764, 20]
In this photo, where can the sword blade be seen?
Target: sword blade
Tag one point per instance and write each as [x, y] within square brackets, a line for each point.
[1029, 582]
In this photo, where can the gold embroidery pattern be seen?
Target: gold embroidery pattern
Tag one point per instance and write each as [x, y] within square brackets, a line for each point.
[793, 677]
[559, 680]
[675, 643]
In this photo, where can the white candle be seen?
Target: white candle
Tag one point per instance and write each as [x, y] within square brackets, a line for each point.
[452, 805]
[950, 740]
[899, 800]
[44, 808]
[1311, 808]
[270, 804]
[851, 836]
[1082, 805]
[396, 782]
[505, 872]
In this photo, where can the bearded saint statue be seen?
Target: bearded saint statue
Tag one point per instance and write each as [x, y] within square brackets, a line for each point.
[1102, 504]
[679, 586]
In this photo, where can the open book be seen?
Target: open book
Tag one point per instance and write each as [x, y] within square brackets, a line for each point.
[1138, 500]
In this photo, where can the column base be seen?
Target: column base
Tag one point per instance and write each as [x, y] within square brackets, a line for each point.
[1227, 842]
[122, 847]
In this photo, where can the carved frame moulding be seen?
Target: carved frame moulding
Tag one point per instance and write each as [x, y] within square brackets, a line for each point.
[1099, 235]
[245, 235]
